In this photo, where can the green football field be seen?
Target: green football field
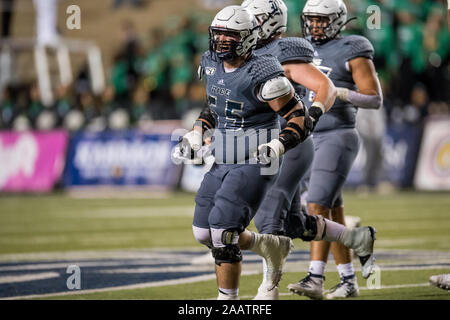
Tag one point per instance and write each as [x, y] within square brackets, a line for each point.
[41, 232]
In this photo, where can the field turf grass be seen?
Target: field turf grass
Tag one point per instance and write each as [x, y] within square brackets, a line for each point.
[58, 223]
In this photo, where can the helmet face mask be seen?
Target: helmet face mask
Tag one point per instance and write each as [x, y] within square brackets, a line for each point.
[315, 15]
[233, 33]
[225, 43]
[317, 27]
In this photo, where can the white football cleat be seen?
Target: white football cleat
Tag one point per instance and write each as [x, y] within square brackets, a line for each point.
[361, 240]
[352, 222]
[274, 249]
[347, 288]
[310, 286]
[267, 291]
[441, 281]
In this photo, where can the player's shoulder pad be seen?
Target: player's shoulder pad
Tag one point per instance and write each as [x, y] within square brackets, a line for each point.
[358, 46]
[264, 67]
[294, 48]
[203, 63]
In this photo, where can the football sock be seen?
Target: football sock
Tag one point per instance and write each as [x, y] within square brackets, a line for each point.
[317, 267]
[229, 292]
[346, 270]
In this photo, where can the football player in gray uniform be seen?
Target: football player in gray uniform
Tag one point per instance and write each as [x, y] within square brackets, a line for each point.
[347, 61]
[280, 212]
[245, 93]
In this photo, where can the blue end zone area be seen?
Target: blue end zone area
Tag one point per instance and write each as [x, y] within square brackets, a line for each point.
[46, 277]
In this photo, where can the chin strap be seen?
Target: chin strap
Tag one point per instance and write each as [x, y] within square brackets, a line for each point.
[348, 20]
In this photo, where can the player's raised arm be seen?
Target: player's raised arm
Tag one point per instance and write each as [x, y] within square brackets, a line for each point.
[312, 78]
[369, 94]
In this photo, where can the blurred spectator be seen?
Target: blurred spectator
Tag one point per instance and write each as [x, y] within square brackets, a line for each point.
[35, 106]
[88, 106]
[371, 126]
[63, 103]
[139, 105]
[436, 44]
[159, 81]
[7, 7]
[412, 55]
[382, 39]
[8, 108]
[125, 71]
[108, 102]
[417, 110]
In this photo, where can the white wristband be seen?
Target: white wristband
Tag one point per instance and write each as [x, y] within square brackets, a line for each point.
[342, 93]
[319, 105]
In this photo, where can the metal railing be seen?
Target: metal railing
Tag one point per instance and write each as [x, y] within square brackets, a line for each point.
[63, 49]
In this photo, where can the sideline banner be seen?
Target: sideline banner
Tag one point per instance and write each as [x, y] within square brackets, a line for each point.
[127, 158]
[31, 161]
[433, 166]
[400, 148]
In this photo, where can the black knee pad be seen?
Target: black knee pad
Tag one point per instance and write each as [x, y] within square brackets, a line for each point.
[231, 253]
[310, 231]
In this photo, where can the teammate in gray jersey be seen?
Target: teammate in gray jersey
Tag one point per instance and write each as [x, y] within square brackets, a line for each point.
[347, 61]
[280, 212]
[246, 93]
[296, 55]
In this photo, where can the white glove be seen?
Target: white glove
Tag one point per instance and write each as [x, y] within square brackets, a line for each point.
[270, 151]
[188, 146]
[342, 93]
[194, 139]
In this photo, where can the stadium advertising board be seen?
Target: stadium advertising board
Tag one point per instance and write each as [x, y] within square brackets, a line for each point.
[120, 158]
[31, 161]
[433, 166]
[400, 148]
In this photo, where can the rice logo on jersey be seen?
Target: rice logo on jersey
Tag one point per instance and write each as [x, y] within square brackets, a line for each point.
[317, 62]
[221, 91]
[326, 70]
[210, 71]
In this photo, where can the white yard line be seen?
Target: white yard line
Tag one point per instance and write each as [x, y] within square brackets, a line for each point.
[29, 277]
[154, 253]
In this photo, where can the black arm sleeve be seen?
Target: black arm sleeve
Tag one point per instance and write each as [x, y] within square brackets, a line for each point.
[207, 118]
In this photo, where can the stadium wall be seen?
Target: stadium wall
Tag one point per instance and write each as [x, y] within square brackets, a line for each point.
[42, 161]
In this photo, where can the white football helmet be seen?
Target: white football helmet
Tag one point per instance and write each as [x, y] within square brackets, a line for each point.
[271, 15]
[236, 22]
[334, 10]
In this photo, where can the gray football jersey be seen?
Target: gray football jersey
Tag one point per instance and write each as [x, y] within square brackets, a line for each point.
[232, 97]
[290, 49]
[332, 59]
